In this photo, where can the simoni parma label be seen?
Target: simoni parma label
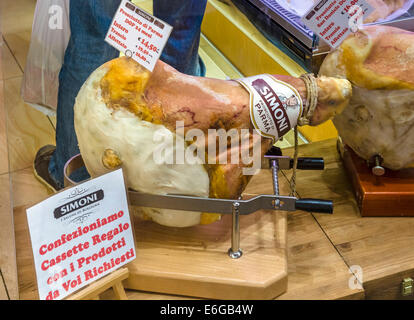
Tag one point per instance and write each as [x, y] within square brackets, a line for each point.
[275, 106]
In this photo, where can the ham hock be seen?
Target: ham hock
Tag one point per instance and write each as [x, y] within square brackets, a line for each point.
[122, 108]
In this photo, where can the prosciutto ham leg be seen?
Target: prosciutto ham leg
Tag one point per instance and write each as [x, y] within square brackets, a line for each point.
[124, 108]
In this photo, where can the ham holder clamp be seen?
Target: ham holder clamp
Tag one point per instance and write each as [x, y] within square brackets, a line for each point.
[242, 207]
[235, 207]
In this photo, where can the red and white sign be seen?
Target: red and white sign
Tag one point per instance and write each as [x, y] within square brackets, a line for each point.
[80, 235]
[138, 34]
[334, 20]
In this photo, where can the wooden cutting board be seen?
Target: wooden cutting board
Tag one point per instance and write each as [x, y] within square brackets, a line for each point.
[194, 261]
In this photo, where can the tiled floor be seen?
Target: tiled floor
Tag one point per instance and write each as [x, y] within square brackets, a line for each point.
[23, 130]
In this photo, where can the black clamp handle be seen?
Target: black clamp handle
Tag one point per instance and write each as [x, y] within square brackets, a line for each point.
[309, 164]
[309, 205]
[306, 163]
[314, 205]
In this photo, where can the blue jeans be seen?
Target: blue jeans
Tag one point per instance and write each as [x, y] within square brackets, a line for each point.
[87, 50]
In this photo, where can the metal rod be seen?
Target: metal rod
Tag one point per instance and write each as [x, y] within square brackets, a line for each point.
[224, 206]
[275, 169]
[235, 251]
[378, 170]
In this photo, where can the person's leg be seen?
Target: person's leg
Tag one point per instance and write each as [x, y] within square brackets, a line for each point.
[185, 16]
[86, 51]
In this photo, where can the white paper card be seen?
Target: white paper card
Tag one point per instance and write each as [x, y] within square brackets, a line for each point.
[138, 34]
[80, 235]
[334, 20]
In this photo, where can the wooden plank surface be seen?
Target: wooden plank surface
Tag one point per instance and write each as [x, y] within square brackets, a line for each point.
[27, 191]
[4, 153]
[16, 15]
[10, 67]
[7, 244]
[16, 24]
[381, 247]
[8, 269]
[315, 269]
[3, 291]
[19, 44]
[4, 158]
[24, 256]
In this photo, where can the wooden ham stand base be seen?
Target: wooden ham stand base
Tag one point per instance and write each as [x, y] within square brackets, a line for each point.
[389, 195]
[194, 261]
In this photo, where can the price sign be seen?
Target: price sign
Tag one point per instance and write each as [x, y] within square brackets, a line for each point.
[138, 34]
[80, 234]
[334, 20]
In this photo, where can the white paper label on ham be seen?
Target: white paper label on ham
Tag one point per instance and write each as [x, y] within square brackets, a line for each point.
[138, 35]
[275, 106]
